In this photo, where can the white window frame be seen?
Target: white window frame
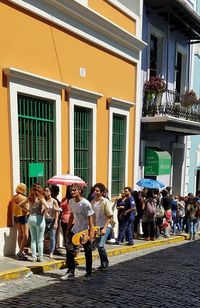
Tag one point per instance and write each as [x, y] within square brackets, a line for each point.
[119, 107]
[85, 99]
[21, 82]
[161, 37]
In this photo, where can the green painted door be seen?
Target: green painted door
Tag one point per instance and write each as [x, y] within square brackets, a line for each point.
[118, 153]
[36, 139]
[83, 145]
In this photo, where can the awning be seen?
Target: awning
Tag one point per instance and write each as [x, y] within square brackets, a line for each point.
[157, 162]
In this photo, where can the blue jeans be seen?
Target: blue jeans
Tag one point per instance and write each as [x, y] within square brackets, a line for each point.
[52, 239]
[37, 228]
[102, 250]
[125, 228]
[52, 233]
[192, 228]
[180, 223]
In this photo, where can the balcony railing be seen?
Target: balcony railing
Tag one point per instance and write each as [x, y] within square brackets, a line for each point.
[170, 103]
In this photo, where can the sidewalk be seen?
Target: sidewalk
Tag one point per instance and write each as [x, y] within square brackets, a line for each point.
[13, 268]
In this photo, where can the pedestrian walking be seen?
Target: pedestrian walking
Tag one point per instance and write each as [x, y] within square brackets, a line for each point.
[103, 217]
[82, 215]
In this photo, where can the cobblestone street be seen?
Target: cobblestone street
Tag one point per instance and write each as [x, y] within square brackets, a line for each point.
[158, 277]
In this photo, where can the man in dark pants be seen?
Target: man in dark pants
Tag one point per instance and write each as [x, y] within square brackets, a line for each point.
[127, 217]
[82, 214]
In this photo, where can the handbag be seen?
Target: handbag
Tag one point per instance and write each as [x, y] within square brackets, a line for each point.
[160, 211]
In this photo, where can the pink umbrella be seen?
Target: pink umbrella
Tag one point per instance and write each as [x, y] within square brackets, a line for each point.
[66, 179]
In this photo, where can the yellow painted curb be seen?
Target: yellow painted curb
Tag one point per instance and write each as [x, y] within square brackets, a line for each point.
[59, 264]
[47, 266]
[14, 273]
[125, 249]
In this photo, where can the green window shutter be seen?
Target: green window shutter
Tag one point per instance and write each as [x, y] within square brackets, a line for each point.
[83, 145]
[36, 139]
[118, 153]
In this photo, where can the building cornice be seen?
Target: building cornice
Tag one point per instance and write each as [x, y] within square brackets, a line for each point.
[88, 24]
[119, 103]
[83, 93]
[16, 74]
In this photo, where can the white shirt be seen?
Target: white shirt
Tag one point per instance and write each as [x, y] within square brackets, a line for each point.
[81, 211]
[100, 216]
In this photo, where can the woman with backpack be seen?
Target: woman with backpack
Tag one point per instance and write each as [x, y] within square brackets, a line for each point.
[148, 217]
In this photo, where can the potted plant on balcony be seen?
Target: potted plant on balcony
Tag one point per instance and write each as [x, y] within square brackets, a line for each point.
[188, 99]
[153, 89]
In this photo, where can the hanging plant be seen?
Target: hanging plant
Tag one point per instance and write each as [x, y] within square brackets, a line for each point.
[154, 87]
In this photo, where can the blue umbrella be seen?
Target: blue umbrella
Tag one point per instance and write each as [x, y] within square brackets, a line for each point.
[149, 183]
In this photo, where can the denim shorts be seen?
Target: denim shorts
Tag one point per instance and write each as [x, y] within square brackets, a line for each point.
[22, 220]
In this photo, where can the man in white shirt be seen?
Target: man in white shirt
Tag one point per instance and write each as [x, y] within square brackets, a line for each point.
[82, 214]
[102, 217]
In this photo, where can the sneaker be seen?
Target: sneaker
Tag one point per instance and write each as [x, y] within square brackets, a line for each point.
[68, 276]
[130, 244]
[33, 259]
[51, 256]
[87, 277]
[40, 259]
[111, 241]
[22, 256]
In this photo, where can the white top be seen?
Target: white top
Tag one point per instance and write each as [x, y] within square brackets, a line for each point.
[100, 216]
[81, 211]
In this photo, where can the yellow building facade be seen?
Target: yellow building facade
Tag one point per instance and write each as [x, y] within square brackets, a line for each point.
[69, 92]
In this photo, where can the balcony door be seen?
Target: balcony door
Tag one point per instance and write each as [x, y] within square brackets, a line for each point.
[180, 69]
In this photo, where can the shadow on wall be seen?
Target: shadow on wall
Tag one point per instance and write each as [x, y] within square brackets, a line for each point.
[9, 236]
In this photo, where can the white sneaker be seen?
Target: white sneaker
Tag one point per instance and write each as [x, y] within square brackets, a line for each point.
[68, 276]
[111, 241]
[51, 256]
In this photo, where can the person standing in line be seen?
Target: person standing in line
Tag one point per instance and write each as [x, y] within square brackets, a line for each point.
[120, 207]
[127, 217]
[148, 217]
[37, 207]
[103, 217]
[180, 212]
[192, 208]
[51, 219]
[82, 215]
[65, 213]
[55, 190]
[20, 218]
[166, 202]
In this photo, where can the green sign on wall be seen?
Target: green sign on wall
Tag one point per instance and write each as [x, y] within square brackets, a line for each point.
[36, 169]
[157, 162]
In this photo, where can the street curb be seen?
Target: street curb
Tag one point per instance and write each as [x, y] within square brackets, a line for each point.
[19, 272]
[46, 266]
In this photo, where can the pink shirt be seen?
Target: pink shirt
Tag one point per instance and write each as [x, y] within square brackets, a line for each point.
[65, 211]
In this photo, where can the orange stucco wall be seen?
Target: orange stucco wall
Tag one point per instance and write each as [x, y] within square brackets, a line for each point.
[115, 15]
[33, 45]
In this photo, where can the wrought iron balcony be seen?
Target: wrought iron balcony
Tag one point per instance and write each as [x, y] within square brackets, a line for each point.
[171, 103]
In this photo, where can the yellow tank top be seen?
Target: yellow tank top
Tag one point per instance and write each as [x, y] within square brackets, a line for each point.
[17, 211]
